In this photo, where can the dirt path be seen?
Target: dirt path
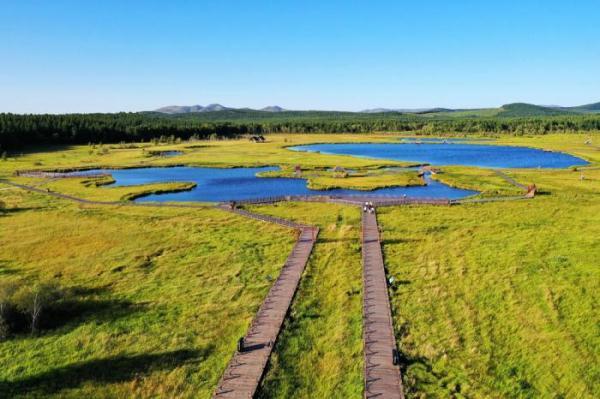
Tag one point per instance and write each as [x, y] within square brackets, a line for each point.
[382, 376]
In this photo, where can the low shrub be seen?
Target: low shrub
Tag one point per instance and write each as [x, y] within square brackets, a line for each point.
[23, 304]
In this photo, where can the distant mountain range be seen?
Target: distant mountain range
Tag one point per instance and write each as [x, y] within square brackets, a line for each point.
[507, 110]
[186, 109]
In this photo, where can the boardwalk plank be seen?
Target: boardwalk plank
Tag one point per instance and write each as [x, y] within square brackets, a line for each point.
[382, 377]
[249, 365]
[245, 370]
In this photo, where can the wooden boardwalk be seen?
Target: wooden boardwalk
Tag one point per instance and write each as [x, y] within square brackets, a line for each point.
[246, 368]
[341, 199]
[510, 179]
[382, 377]
[378, 200]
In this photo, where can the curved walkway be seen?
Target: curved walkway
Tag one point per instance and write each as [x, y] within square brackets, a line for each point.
[378, 200]
[342, 199]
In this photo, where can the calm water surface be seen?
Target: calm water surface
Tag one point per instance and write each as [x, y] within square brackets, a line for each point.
[215, 184]
[489, 156]
[441, 140]
[169, 154]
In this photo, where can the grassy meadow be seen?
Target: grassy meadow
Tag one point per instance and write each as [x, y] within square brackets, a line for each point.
[319, 353]
[490, 300]
[161, 295]
[367, 179]
[499, 299]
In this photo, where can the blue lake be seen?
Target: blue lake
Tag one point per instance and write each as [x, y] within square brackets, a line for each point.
[489, 156]
[215, 184]
[441, 140]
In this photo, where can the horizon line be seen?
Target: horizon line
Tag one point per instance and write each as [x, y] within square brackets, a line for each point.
[284, 109]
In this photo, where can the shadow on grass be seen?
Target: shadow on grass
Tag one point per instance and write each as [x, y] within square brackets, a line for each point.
[325, 240]
[407, 361]
[397, 284]
[391, 241]
[73, 312]
[418, 371]
[28, 150]
[5, 269]
[543, 192]
[100, 371]
[77, 308]
[10, 211]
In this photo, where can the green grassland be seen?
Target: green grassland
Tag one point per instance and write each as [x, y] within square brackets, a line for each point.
[234, 153]
[320, 351]
[162, 295]
[488, 183]
[490, 300]
[95, 189]
[500, 299]
[217, 153]
[223, 154]
[366, 179]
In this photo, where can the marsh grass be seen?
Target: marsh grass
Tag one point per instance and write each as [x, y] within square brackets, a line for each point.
[222, 153]
[498, 300]
[491, 300]
[99, 190]
[164, 295]
[319, 353]
[488, 183]
[363, 179]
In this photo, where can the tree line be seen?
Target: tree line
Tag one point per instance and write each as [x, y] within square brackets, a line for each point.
[25, 130]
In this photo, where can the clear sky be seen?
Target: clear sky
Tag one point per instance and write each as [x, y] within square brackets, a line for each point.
[126, 55]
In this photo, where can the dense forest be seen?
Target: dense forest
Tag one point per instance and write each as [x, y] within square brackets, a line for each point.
[24, 130]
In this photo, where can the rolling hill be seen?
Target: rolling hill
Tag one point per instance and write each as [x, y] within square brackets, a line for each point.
[188, 109]
[516, 110]
[512, 110]
[588, 108]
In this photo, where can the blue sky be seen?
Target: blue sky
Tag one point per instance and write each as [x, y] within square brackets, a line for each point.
[106, 56]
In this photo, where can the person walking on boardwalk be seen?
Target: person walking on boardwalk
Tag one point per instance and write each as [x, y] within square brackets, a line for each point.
[371, 207]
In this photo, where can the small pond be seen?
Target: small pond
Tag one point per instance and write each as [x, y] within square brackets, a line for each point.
[216, 184]
[489, 156]
[167, 154]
